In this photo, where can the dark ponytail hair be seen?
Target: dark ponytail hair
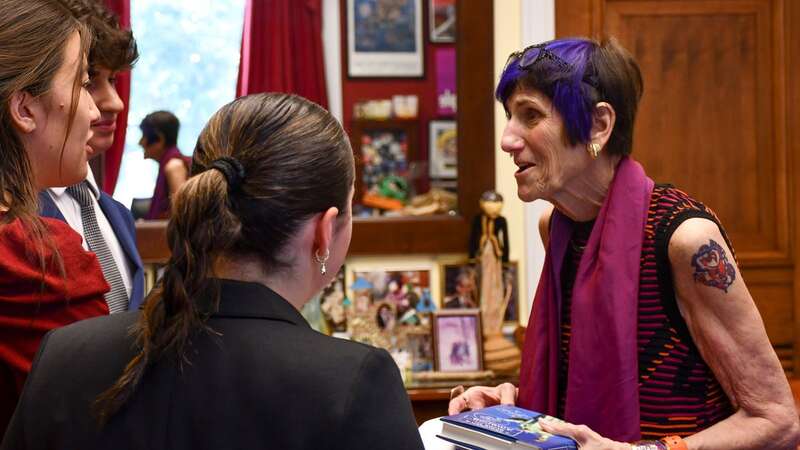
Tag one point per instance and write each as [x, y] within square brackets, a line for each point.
[297, 162]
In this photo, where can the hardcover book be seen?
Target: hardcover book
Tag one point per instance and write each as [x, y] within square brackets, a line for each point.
[501, 427]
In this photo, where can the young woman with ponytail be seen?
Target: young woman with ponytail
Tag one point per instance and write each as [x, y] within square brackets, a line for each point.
[220, 356]
[47, 280]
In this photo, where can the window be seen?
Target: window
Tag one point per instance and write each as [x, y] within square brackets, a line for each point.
[188, 65]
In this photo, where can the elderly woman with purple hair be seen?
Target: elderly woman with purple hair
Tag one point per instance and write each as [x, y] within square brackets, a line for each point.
[643, 334]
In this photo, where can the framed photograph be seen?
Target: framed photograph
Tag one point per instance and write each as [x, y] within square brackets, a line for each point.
[511, 283]
[332, 303]
[419, 343]
[443, 149]
[460, 284]
[442, 15]
[384, 151]
[327, 311]
[384, 38]
[401, 289]
[458, 342]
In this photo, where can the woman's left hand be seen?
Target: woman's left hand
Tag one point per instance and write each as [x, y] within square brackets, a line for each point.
[583, 435]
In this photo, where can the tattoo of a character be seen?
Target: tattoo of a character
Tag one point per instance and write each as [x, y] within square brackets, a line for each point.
[712, 268]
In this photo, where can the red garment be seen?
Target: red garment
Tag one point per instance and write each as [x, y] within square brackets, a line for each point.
[31, 305]
[160, 203]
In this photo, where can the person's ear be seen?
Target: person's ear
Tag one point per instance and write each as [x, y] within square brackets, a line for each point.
[23, 111]
[323, 234]
[603, 119]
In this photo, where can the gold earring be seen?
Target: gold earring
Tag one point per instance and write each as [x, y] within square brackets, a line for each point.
[321, 260]
[593, 149]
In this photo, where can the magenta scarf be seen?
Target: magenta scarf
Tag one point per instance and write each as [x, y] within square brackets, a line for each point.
[603, 388]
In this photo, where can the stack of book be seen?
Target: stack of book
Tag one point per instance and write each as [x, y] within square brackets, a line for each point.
[501, 427]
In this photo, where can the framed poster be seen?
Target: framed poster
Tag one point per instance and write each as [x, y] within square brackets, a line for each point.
[442, 19]
[384, 38]
[457, 340]
[384, 151]
[443, 149]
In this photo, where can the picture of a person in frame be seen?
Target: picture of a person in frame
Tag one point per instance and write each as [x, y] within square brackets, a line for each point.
[465, 293]
[386, 318]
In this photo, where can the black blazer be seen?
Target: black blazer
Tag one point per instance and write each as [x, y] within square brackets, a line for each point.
[267, 382]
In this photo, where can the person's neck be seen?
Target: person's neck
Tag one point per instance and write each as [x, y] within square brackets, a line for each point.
[582, 198]
[251, 271]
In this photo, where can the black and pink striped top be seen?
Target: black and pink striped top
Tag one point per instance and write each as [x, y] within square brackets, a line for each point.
[678, 393]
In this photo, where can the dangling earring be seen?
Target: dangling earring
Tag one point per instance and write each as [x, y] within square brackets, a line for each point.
[593, 149]
[321, 260]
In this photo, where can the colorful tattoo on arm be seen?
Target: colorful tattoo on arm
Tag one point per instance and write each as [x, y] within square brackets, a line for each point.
[711, 267]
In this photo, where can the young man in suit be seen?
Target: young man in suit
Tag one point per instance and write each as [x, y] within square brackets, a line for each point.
[106, 225]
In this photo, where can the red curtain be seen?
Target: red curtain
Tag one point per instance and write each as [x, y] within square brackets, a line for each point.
[282, 49]
[113, 157]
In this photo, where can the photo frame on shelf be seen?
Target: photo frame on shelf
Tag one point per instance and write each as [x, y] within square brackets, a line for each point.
[511, 281]
[443, 149]
[327, 311]
[384, 39]
[385, 151]
[460, 283]
[457, 340]
[418, 342]
[442, 20]
[403, 288]
[333, 303]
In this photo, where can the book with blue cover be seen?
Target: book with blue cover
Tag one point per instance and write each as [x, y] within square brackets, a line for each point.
[501, 427]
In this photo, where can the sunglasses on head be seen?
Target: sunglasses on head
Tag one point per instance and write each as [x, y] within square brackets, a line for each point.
[534, 54]
[539, 53]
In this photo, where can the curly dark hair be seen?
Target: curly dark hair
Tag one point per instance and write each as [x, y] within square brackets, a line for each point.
[112, 47]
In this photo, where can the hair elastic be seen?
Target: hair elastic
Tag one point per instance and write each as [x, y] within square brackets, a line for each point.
[232, 169]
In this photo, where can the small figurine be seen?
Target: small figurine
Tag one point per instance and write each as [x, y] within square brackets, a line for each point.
[490, 227]
[489, 244]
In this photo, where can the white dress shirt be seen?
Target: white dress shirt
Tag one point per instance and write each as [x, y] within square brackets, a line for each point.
[71, 211]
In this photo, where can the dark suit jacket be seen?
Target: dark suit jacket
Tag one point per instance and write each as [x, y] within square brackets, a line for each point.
[267, 381]
[122, 223]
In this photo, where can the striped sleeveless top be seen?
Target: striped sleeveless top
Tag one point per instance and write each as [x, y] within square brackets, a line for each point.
[678, 392]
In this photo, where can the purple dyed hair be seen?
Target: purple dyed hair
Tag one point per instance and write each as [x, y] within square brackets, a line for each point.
[593, 72]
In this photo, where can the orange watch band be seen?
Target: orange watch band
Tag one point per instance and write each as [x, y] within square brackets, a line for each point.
[675, 443]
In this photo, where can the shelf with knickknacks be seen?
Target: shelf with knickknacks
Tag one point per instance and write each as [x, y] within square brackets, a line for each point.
[488, 245]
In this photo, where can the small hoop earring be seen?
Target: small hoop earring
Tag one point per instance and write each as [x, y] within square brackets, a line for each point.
[593, 149]
[321, 260]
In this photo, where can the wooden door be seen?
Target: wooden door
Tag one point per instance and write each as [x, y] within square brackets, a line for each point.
[719, 119]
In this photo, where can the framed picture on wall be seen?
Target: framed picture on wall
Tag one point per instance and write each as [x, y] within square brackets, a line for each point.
[457, 340]
[384, 151]
[442, 19]
[384, 38]
[443, 149]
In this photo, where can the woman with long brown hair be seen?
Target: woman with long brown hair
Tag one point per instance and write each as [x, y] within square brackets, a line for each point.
[220, 357]
[47, 280]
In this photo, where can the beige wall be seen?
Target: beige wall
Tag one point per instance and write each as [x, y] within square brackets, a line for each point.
[507, 38]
